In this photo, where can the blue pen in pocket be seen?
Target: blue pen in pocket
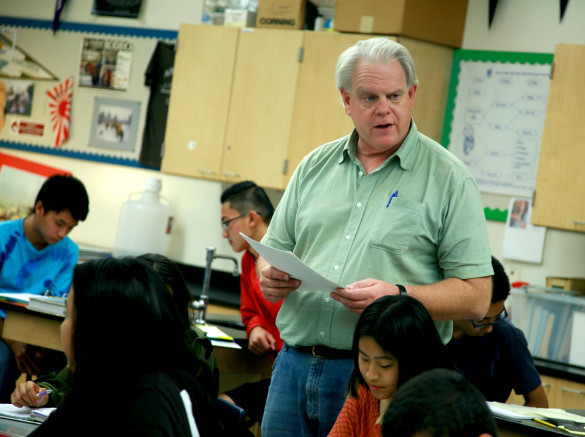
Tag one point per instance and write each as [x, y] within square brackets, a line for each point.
[392, 197]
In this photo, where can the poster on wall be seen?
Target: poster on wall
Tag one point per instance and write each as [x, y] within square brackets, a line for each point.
[19, 97]
[497, 122]
[15, 62]
[105, 63]
[114, 123]
[522, 240]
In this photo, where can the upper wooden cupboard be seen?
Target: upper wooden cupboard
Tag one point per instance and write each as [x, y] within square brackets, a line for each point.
[250, 103]
[560, 183]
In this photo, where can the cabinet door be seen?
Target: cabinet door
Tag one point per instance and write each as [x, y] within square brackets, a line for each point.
[560, 186]
[551, 388]
[199, 101]
[260, 115]
[433, 64]
[570, 395]
[318, 115]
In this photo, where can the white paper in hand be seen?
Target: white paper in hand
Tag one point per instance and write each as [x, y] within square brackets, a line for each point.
[288, 262]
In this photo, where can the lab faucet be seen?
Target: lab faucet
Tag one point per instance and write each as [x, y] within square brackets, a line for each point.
[201, 304]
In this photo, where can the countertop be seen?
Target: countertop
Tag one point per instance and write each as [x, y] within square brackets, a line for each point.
[560, 370]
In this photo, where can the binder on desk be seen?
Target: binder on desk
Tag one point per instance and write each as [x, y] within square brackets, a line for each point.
[48, 304]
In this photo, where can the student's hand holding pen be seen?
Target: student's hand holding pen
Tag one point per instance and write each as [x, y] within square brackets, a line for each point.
[29, 394]
[276, 284]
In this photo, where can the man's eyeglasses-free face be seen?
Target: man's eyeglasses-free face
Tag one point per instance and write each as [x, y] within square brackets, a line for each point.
[480, 324]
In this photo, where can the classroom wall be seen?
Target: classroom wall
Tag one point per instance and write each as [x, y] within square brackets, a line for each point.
[519, 25]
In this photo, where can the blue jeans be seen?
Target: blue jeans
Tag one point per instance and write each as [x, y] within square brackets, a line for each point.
[306, 394]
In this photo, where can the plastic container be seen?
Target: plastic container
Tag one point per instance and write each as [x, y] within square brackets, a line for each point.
[145, 222]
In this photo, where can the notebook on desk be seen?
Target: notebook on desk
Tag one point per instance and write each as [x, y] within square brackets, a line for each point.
[511, 411]
[26, 414]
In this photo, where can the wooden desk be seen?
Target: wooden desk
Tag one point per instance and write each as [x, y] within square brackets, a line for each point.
[31, 327]
[42, 329]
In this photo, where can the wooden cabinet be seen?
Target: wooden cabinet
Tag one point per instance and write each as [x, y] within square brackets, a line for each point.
[570, 394]
[560, 185]
[251, 103]
[199, 102]
[551, 388]
[260, 116]
[561, 393]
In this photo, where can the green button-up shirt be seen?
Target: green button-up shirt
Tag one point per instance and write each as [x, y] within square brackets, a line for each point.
[348, 226]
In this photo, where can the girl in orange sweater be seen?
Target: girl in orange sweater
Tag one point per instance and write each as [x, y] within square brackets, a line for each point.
[394, 340]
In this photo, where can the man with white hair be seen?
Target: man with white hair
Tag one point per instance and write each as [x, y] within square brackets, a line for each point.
[381, 207]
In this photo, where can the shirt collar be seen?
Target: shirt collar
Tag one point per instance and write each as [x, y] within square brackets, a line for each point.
[405, 153]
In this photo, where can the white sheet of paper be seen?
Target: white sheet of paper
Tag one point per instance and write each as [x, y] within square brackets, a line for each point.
[288, 262]
[522, 240]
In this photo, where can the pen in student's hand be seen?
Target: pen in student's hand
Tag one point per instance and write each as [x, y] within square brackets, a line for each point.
[44, 393]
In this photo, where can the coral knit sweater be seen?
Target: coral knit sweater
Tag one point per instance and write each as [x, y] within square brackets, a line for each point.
[257, 311]
[358, 416]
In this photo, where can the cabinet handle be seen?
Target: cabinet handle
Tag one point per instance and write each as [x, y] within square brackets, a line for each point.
[206, 171]
[230, 174]
[545, 385]
[570, 390]
[579, 222]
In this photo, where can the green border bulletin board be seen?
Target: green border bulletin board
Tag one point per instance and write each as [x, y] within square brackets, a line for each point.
[487, 57]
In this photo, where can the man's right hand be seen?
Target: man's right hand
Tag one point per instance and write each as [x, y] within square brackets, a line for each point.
[25, 395]
[276, 284]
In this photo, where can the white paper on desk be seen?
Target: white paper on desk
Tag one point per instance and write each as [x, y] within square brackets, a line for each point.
[288, 262]
[523, 412]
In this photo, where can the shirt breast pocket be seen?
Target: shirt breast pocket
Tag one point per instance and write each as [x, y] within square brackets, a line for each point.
[395, 226]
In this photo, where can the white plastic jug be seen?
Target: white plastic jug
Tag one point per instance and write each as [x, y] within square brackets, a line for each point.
[145, 222]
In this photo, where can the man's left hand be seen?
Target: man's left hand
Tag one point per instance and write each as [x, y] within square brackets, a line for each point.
[357, 296]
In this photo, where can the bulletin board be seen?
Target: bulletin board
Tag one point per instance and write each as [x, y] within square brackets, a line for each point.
[66, 54]
[494, 119]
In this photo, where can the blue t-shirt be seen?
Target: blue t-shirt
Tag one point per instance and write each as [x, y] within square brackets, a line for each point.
[24, 268]
[497, 362]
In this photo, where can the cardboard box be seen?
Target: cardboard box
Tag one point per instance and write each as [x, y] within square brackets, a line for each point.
[440, 22]
[574, 284]
[281, 14]
[239, 18]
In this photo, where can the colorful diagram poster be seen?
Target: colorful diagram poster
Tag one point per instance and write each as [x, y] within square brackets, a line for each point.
[497, 121]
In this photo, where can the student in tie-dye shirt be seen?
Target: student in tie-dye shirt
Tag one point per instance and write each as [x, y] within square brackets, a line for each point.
[37, 256]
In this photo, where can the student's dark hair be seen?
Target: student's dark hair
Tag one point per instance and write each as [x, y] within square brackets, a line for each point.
[126, 325]
[402, 326]
[247, 196]
[60, 192]
[500, 282]
[438, 403]
[174, 279]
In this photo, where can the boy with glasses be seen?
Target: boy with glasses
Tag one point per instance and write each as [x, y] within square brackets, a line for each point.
[246, 208]
[493, 354]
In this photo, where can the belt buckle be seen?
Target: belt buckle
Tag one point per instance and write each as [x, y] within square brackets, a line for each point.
[315, 353]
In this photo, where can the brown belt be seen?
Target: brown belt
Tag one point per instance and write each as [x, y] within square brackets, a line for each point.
[328, 353]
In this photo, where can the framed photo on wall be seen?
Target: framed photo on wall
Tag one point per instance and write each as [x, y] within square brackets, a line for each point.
[114, 123]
